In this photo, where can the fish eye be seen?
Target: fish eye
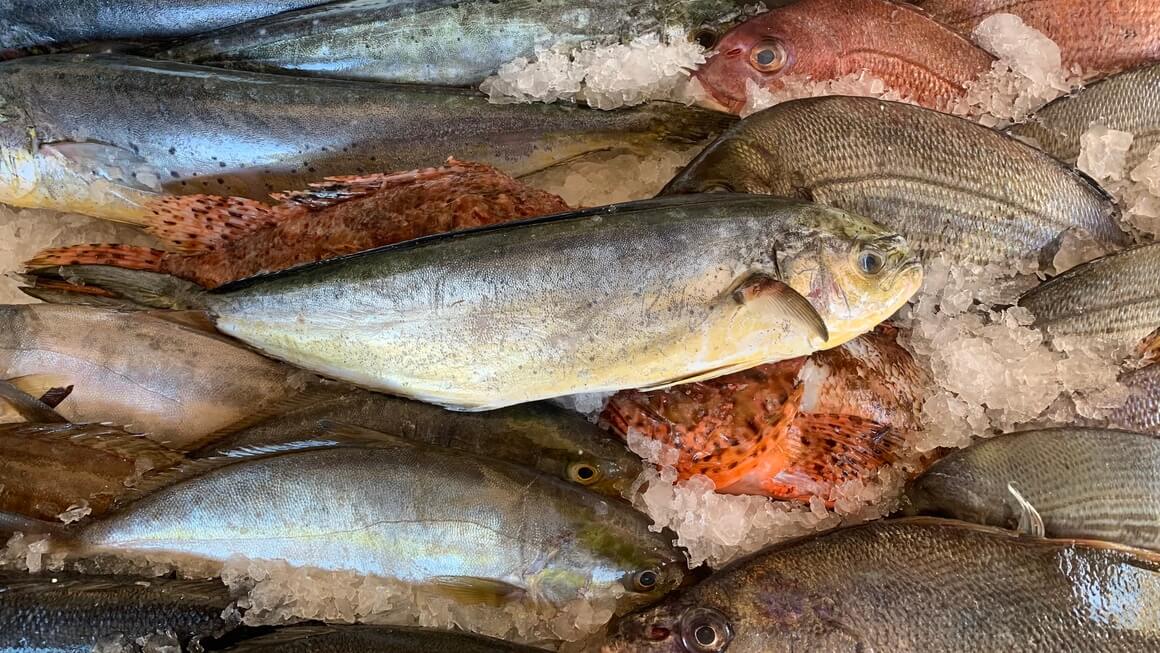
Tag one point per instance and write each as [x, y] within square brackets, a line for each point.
[871, 262]
[583, 473]
[704, 630]
[645, 581]
[768, 56]
[705, 37]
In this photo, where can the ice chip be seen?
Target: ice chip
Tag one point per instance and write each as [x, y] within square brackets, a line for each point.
[1103, 152]
[1028, 51]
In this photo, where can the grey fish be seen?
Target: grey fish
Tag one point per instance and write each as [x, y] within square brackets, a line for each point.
[913, 585]
[187, 129]
[467, 527]
[373, 639]
[497, 316]
[1116, 297]
[1065, 482]
[1141, 412]
[68, 613]
[440, 41]
[1127, 102]
[948, 185]
[555, 441]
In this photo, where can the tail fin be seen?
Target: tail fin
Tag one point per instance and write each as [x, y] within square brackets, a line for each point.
[199, 223]
[121, 256]
[150, 289]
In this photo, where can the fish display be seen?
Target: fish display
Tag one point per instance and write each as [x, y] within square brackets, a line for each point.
[818, 40]
[67, 612]
[214, 240]
[1053, 481]
[1125, 102]
[942, 182]
[373, 639]
[543, 308]
[464, 527]
[789, 430]
[1098, 38]
[541, 436]
[439, 42]
[175, 382]
[1115, 297]
[912, 585]
[186, 129]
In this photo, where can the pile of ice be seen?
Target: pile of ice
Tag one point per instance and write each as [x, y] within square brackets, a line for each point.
[648, 67]
[1104, 155]
[795, 87]
[616, 176]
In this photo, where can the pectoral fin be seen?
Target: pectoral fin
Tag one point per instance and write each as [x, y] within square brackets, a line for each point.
[28, 406]
[763, 293]
[474, 590]
[1030, 522]
[108, 162]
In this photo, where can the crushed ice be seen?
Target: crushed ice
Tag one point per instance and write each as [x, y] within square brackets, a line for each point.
[1104, 155]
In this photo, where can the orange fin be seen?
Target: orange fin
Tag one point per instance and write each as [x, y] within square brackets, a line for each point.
[335, 190]
[1149, 347]
[199, 223]
[829, 449]
[121, 256]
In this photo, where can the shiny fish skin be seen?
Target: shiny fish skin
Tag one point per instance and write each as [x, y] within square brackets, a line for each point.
[192, 129]
[413, 513]
[1141, 412]
[1084, 483]
[1115, 297]
[917, 585]
[944, 183]
[435, 41]
[1127, 102]
[373, 639]
[66, 613]
[492, 317]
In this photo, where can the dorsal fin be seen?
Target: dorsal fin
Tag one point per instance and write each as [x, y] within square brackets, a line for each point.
[336, 190]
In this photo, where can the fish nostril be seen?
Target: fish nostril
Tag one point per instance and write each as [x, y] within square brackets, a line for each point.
[658, 633]
[734, 53]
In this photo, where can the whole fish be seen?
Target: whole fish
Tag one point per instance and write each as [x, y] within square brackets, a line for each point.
[1126, 102]
[553, 440]
[34, 23]
[948, 185]
[48, 469]
[1114, 297]
[187, 129]
[1099, 37]
[643, 294]
[176, 383]
[1141, 412]
[373, 639]
[67, 613]
[1080, 483]
[213, 240]
[913, 585]
[469, 528]
[823, 40]
[438, 41]
[790, 430]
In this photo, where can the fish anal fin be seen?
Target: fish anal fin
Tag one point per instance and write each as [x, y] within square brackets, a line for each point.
[766, 295]
[200, 223]
[122, 256]
[1030, 522]
[472, 590]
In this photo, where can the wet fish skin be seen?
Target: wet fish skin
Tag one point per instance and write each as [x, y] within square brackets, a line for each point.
[552, 440]
[175, 383]
[1125, 102]
[418, 514]
[914, 585]
[1115, 297]
[819, 40]
[1141, 412]
[373, 639]
[435, 41]
[59, 613]
[1084, 483]
[185, 129]
[940, 181]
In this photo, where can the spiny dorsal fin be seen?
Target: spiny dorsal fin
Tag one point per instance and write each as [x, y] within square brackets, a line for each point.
[336, 190]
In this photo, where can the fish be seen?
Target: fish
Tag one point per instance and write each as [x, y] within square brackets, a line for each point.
[170, 128]
[212, 240]
[1078, 483]
[823, 40]
[157, 376]
[1100, 38]
[555, 441]
[790, 430]
[64, 613]
[1125, 102]
[1141, 411]
[373, 639]
[943, 182]
[1114, 297]
[440, 42]
[468, 528]
[915, 584]
[48, 469]
[502, 315]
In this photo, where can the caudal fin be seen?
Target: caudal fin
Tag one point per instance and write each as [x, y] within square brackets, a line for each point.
[121, 256]
[143, 288]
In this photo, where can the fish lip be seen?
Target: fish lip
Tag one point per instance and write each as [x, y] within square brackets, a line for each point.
[712, 101]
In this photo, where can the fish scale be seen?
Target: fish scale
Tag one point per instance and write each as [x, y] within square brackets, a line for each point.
[1141, 412]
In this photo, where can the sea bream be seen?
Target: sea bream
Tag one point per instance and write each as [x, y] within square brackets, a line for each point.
[637, 295]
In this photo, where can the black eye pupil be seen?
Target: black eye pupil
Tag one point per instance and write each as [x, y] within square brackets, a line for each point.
[871, 262]
[585, 473]
[765, 57]
[705, 635]
[647, 579]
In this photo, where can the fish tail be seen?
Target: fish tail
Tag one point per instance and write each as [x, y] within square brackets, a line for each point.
[200, 223]
[121, 256]
[693, 125]
[140, 287]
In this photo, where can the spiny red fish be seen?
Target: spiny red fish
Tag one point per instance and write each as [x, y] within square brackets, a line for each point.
[1102, 38]
[213, 240]
[789, 430]
[829, 39]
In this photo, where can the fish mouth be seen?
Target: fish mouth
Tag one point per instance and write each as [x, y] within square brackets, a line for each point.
[712, 100]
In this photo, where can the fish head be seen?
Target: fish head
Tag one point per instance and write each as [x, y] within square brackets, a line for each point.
[853, 271]
[610, 473]
[625, 560]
